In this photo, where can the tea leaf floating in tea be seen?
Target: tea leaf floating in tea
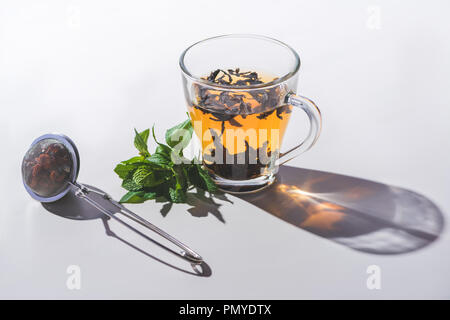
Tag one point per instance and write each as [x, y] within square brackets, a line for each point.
[252, 160]
[230, 116]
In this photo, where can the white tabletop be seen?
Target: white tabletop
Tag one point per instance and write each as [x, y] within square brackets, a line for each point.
[94, 70]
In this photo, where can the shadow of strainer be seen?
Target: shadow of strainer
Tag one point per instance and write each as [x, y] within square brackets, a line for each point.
[72, 207]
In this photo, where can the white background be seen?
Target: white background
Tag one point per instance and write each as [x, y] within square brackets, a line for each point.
[94, 70]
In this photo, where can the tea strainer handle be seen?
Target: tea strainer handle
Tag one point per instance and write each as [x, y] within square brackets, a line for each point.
[186, 253]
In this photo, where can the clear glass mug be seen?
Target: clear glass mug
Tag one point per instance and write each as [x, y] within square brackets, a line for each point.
[239, 91]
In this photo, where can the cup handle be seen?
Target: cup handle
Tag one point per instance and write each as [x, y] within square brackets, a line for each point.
[315, 119]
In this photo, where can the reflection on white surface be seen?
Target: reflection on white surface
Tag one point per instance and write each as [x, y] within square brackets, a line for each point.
[386, 240]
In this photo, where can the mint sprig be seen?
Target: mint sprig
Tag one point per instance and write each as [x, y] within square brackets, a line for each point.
[164, 174]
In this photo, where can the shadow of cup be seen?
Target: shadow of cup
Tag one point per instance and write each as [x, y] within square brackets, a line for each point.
[360, 214]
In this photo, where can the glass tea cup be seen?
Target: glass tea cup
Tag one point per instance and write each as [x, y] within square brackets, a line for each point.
[240, 92]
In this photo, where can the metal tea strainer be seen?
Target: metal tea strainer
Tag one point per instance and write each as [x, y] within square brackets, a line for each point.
[50, 169]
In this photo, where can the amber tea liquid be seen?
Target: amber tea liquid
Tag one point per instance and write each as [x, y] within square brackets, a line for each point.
[240, 131]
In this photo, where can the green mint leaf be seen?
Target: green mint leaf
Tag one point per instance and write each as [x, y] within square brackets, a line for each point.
[178, 137]
[154, 179]
[194, 177]
[133, 197]
[164, 150]
[210, 186]
[144, 135]
[133, 160]
[140, 142]
[130, 185]
[159, 159]
[200, 178]
[124, 170]
[162, 190]
[177, 195]
[150, 195]
[165, 175]
[147, 178]
[140, 175]
[175, 155]
[180, 178]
